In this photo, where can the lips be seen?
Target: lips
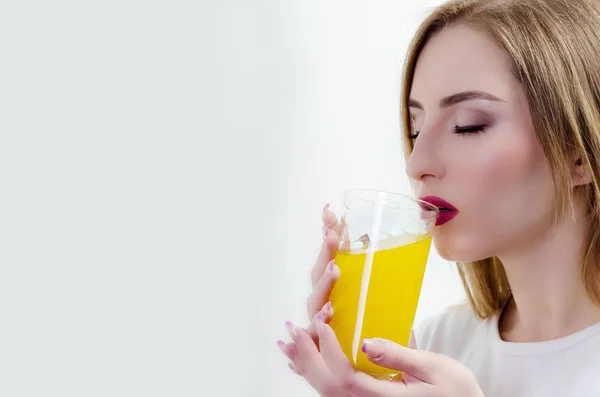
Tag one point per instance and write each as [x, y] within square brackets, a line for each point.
[446, 211]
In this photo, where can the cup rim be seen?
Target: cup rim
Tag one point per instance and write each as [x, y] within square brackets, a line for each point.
[423, 204]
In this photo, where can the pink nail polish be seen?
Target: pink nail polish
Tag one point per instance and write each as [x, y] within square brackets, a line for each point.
[331, 263]
[328, 307]
[292, 367]
[325, 208]
[375, 352]
[326, 232]
[281, 346]
[290, 327]
[320, 323]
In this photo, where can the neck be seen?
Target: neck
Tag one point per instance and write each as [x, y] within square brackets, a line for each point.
[549, 298]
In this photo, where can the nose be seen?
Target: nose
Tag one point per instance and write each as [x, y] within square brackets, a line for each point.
[425, 161]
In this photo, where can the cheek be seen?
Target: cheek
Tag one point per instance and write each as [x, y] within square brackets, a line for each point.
[514, 190]
[499, 172]
[505, 170]
[513, 174]
[505, 193]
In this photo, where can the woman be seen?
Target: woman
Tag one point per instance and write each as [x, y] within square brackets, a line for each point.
[501, 113]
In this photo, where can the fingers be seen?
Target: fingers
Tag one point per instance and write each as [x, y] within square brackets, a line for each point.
[330, 221]
[331, 231]
[321, 291]
[329, 218]
[330, 347]
[351, 381]
[310, 364]
[326, 254]
[288, 349]
[330, 373]
[327, 312]
[420, 364]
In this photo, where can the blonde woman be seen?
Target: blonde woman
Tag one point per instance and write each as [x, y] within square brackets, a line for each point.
[501, 117]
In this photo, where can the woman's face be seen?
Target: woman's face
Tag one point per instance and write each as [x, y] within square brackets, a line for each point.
[494, 172]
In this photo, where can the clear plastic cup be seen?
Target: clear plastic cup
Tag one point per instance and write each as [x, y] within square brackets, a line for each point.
[384, 245]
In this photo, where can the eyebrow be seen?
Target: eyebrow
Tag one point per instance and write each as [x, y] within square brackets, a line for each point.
[458, 98]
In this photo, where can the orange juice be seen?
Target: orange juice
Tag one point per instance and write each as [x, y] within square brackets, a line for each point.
[376, 297]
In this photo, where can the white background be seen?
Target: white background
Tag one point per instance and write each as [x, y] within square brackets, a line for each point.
[163, 166]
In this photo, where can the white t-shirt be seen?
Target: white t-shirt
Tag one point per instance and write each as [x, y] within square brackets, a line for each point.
[565, 367]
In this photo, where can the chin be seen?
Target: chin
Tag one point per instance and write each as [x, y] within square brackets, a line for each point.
[458, 247]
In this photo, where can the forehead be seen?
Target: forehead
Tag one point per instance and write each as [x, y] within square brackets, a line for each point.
[462, 59]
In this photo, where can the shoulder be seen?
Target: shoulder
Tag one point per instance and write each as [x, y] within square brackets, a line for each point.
[449, 330]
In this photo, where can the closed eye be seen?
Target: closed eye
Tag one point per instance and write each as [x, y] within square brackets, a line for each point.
[469, 129]
[466, 130]
[416, 133]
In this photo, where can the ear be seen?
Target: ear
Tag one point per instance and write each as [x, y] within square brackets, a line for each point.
[581, 174]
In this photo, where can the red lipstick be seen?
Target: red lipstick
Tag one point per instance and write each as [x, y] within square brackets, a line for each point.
[447, 211]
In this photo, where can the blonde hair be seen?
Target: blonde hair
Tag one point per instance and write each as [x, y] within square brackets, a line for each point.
[554, 46]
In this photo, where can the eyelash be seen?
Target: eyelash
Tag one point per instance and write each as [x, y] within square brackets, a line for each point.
[466, 130]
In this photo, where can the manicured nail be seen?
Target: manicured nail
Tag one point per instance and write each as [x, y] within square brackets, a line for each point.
[326, 232]
[320, 322]
[372, 349]
[330, 267]
[292, 367]
[325, 210]
[290, 328]
[288, 352]
[328, 307]
[281, 345]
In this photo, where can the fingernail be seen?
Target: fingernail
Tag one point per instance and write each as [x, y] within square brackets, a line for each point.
[328, 307]
[320, 322]
[326, 231]
[281, 344]
[292, 367]
[290, 328]
[372, 349]
[289, 354]
[329, 267]
[325, 210]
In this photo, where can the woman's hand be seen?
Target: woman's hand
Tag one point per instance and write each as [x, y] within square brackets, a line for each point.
[324, 273]
[327, 369]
